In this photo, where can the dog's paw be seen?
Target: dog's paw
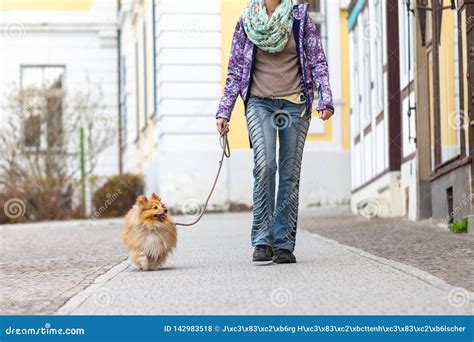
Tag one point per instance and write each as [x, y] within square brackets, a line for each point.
[144, 264]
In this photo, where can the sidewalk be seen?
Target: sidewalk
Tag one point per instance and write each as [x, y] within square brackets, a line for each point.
[42, 265]
[420, 244]
[211, 273]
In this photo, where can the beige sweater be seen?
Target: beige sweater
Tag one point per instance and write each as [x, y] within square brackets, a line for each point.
[277, 74]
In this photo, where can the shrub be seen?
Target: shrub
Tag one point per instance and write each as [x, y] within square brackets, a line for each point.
[459, 226]
[117, 195]
[38, 199]
[12, 209]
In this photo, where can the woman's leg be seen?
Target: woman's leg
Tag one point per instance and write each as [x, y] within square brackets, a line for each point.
[292, 136]
[263, 137]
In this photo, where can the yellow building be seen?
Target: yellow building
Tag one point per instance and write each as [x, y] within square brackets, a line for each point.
[444, 104]
[174, 65]
[412, 154]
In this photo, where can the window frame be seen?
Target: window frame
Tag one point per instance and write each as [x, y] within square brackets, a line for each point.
[43, 130]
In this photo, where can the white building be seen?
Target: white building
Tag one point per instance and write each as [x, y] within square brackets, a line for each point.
[383, 128]
[73, 42]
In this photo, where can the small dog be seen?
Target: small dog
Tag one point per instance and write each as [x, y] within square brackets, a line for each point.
[149, 233]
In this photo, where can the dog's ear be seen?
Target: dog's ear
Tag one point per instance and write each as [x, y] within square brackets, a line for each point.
[141, 200]
[155, 196]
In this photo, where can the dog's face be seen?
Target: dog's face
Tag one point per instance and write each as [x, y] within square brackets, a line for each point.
[152, 210]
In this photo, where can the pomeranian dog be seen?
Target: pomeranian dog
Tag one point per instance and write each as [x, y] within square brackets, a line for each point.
[149, 233]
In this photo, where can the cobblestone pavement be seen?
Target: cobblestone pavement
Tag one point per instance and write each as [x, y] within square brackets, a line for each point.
[211, 273]
[420, 244]
[42, 265]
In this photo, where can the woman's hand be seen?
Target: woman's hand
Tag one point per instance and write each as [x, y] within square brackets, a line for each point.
[325, 114]
[221, 124]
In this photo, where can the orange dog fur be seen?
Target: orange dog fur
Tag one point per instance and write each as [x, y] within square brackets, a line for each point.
[149, 233]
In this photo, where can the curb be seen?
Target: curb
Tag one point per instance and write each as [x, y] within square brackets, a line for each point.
[77, 300]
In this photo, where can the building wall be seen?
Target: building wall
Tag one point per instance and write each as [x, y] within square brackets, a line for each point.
[79, 35]
[375, 188]
[451, 169]
[384, 168]
[459, 181]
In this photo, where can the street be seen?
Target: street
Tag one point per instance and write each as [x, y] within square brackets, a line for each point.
[80, 268]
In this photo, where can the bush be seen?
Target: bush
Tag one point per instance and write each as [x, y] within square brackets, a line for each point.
[117, 195]
[39, 199]
[459, 226]
[12, 209]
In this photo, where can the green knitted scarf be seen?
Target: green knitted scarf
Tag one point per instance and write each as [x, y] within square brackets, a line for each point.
[269, 34]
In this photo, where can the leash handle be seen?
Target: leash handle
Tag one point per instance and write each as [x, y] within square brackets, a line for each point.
[224, 142]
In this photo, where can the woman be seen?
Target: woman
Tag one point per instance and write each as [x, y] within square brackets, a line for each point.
[276, 64]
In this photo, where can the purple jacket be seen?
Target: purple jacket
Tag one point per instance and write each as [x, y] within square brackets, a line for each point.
[313, 65]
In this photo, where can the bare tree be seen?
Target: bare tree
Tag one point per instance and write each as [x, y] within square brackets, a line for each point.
[40, 159]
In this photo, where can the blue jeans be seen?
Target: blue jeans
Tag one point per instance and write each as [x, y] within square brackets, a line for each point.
[275, 224]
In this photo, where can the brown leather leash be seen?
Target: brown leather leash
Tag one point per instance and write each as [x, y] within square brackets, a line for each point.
[224, 142]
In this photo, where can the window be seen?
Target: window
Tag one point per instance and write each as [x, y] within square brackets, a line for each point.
[32, 131]
[365, 87]
[447, 112]
[355, 90]
[447, 128]
[315, 5]
[378, 47]
[42, 91]
[407, 54]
